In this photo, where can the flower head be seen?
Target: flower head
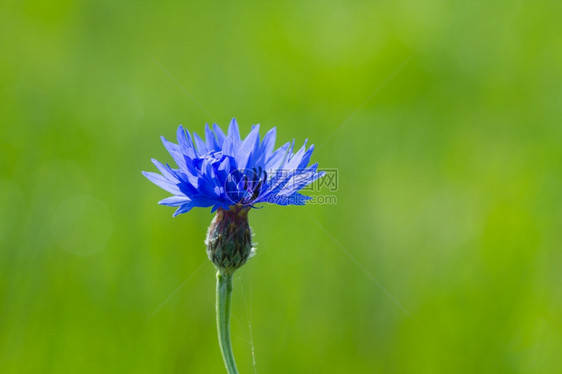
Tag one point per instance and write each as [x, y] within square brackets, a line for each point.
[225, 171]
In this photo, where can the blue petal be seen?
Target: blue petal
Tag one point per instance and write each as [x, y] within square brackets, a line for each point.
[276, 183]
[162, 182]
[166, 172]
[184, 209]
[294, 160]
[220, 134]
[210, 139]
[175, 201]
[185, 143]
[306, 158]
[248, 148]
[276, 160]
[230, 147]
[299, 181]
[201, 146]
[268, 143]
[175, 151]
[233, 131]
[223, 171]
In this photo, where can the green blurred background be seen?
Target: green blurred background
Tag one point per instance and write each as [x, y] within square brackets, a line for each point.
[450, 166]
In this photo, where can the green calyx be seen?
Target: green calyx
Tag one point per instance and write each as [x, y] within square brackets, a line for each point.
[229, 239]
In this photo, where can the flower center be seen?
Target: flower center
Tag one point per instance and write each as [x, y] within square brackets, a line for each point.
[243, 187]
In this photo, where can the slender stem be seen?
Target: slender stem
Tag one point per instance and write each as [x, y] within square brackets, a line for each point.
[224, 293]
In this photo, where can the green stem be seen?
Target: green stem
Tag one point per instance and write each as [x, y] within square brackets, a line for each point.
[224, 293]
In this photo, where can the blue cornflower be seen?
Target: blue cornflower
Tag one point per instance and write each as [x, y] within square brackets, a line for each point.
[232, 175]
[224, 171]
